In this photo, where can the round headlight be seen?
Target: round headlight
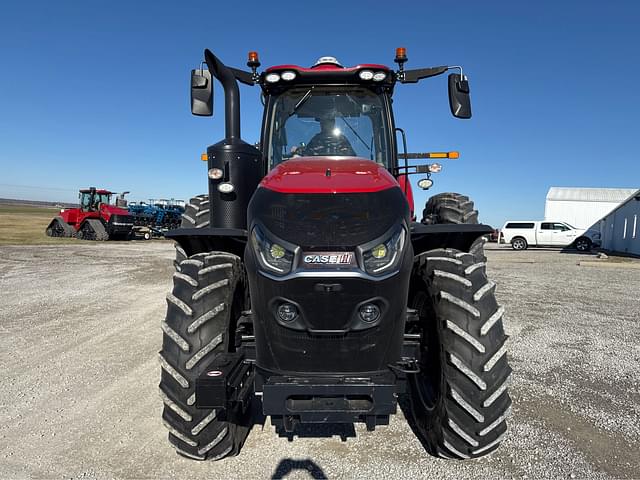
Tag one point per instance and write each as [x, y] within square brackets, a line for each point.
[425, 183]
[288, 75]
[215, 174]
[287, 312]
[379, 252]
[369, 312]
[276, 251]
[366, 74]
[272, 77]
[379, 76]
[226, 188]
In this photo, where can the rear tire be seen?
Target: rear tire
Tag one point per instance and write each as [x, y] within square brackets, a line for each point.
[196, 215]
[459, 399]
[449, 208]
[206, 300]
[519, 243]
[454, 208]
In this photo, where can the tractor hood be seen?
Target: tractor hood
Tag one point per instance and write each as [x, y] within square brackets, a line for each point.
[328, 175]
[108, 210]
[337, 202]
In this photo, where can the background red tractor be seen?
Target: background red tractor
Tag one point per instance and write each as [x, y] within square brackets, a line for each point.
[94, 219]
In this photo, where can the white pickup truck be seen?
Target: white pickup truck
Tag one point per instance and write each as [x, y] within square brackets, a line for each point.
[522, 234]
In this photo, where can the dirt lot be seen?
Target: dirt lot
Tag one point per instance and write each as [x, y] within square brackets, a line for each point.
[80, 328]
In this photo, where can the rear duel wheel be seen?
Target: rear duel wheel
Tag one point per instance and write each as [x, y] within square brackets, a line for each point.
[203, 307]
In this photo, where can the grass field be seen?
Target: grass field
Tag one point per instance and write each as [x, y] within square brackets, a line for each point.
[25, 225]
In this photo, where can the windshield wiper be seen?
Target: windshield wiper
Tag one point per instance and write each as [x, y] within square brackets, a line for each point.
[355, 133]
[301, 102]
[348, 125]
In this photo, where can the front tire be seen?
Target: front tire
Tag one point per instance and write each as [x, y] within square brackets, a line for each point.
[583, 244]
[459, 399]
[206, 300]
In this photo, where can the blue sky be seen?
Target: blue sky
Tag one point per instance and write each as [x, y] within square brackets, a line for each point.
[96, 92]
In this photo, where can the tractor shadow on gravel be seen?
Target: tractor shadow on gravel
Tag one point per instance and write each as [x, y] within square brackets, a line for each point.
[288, 465]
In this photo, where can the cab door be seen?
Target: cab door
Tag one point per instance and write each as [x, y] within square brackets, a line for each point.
[544, 235]
[563, 235]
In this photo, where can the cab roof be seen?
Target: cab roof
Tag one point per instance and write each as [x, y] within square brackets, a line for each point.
[98, 190]
[326, 73]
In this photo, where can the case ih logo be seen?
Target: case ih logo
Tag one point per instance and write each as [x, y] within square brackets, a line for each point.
[328, 258]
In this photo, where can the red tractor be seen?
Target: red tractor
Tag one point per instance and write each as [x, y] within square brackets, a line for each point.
[305, 287]
[94, 219]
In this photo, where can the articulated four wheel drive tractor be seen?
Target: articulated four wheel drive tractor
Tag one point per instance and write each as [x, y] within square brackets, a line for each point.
[94, 219]
[304, 287]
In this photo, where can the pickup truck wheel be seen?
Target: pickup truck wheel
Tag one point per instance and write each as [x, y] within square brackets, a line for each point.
[583, 244]
[519, 243]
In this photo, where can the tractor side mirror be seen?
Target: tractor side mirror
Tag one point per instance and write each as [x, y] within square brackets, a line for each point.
[459, 99]
[201, 93]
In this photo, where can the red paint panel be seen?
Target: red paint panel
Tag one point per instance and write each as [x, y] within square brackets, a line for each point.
[325, 67]
[405, 186]
[311, 175]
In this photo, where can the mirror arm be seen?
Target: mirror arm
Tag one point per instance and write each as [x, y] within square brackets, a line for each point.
[462, 77]
[243, 76]
[413, 76]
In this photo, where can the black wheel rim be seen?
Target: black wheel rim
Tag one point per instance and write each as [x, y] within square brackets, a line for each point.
[427, 382]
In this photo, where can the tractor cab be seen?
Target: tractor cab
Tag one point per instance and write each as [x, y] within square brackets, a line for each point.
[91, 199]
[328, 111]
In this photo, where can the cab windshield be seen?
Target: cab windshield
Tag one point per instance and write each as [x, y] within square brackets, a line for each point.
[329, 122]
[91, 202]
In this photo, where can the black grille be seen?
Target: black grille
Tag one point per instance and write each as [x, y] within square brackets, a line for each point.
[342, 220]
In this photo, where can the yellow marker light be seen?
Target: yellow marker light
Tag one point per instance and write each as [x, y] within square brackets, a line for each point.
[379, 252]
[276, 251]
[451, 155]
[204, 157]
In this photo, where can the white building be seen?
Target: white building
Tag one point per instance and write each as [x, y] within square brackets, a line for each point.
[583, 207]
[621, 227]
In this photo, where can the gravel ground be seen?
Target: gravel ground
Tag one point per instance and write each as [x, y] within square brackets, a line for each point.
[80, 329]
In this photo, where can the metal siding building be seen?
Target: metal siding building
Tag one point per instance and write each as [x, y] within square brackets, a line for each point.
[583, 207]
[621, 228]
